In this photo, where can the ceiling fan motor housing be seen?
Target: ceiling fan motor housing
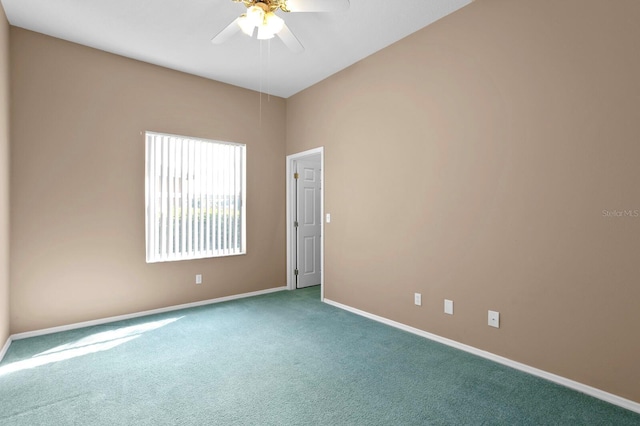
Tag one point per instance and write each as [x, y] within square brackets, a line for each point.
[266, 5]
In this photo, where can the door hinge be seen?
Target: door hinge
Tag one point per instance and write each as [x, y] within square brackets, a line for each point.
[295, 272]
[295, 223]
[295, 175]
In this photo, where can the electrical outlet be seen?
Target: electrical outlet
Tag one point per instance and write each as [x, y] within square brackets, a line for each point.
[417, 299]
[448, 306]
[199, 279]
[494, 319]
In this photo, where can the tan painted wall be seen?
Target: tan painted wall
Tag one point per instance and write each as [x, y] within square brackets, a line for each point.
[77, 181]
[4, 178]
[473, 161]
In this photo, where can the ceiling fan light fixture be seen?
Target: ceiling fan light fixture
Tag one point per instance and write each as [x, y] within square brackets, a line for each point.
[271, 25]
[268, 23]
[264, 33]
[273, 22]
[255, 15]
[246, 26]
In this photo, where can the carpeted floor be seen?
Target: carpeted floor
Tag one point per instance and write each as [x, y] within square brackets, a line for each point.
[278, 359]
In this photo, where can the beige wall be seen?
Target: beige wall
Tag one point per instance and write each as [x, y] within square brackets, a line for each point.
[473, 161]
[470, 161]
[77, 181]
[4, 178]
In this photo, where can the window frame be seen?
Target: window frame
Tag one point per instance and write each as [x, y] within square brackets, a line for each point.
[171, 247]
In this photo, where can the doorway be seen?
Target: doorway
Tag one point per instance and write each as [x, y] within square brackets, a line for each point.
[305, 225]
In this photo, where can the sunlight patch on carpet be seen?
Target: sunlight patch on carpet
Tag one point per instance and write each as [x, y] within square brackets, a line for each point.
[97, 342]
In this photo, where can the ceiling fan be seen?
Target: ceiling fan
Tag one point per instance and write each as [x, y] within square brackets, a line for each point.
[261, 16]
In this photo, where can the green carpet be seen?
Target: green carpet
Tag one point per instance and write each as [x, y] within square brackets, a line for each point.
[280, 359]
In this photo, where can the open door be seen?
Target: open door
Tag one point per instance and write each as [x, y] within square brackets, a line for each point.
[305, 208]
[308, 221]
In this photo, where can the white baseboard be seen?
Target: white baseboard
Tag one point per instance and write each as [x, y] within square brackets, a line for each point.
[5, 348]
[101, 321]
[580, 387]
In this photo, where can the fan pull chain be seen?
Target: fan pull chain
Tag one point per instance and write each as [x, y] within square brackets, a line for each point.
[260, 85]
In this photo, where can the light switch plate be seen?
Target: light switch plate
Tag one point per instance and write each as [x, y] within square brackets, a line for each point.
[328, 217]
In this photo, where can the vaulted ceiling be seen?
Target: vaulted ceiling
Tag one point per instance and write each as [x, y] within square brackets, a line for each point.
[177, 34]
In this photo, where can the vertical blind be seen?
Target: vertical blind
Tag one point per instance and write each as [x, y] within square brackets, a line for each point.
[195, 198]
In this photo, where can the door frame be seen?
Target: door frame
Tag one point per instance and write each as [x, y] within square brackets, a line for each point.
[291, 253]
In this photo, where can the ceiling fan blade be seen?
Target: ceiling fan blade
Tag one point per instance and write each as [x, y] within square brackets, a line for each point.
[225, 34]
[290, 40]
[317, 5]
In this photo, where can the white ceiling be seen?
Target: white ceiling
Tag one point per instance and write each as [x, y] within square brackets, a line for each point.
[177, 34]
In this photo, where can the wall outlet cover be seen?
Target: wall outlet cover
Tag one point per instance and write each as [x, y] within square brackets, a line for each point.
[448, 306]
[494, 319]
[417, 299]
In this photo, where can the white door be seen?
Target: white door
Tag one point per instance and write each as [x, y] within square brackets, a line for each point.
[308, 223]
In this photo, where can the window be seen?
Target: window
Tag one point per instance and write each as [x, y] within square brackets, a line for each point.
[195, 198]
